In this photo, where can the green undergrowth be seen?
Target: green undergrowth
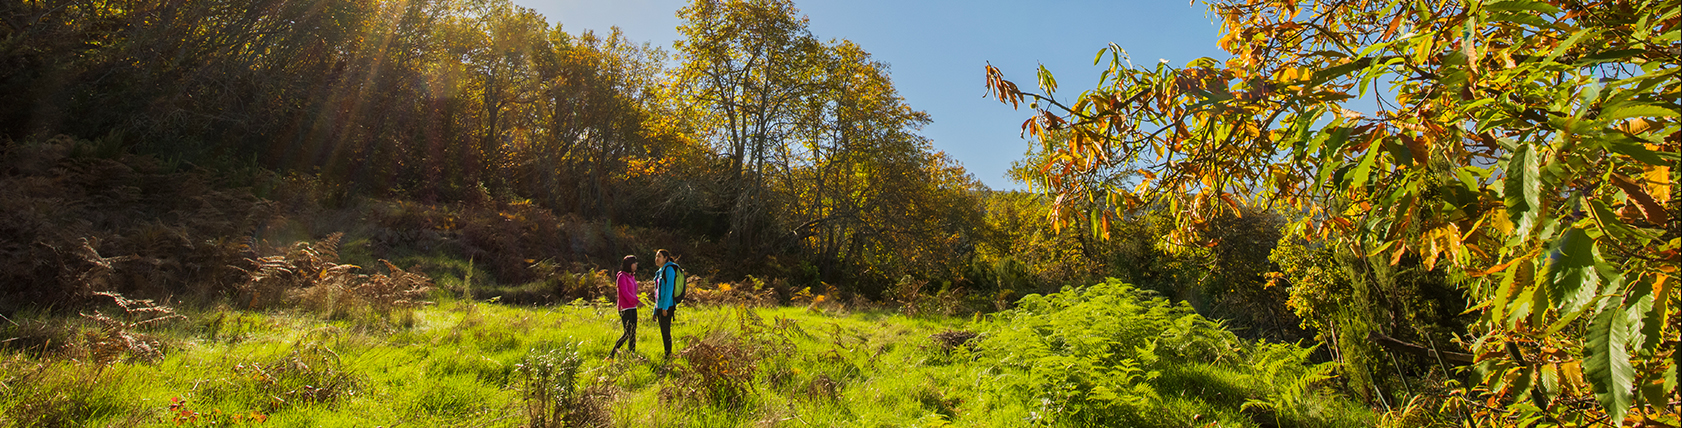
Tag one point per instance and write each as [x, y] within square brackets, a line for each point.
[1098, 355]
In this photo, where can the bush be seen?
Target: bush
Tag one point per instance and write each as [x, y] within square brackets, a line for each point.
[309, 274]
[750, 292]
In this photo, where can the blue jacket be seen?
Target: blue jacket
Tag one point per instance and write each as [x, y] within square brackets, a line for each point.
[663, 282]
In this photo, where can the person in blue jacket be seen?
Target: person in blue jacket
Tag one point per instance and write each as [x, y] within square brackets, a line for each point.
[664, 279]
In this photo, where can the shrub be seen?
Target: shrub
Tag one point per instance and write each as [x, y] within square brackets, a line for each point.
[300, 265]
[751, 292]
[378, 295]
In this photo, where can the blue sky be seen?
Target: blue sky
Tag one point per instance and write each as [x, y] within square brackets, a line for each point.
[937, 49]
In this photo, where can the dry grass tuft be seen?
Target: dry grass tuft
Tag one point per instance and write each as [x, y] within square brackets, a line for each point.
[951, 340]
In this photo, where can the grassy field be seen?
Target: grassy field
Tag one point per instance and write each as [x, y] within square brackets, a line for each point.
[458, 364]
[467, 363]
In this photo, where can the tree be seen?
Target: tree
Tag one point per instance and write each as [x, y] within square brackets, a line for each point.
[600, 114]
[1524, 147]
[867, 193]
[750, 64]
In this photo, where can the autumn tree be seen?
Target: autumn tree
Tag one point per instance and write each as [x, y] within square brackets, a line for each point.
[819, 152]
[764, 137]
[868, 194]
[749, 65]
[599, 121]
[1522, 147]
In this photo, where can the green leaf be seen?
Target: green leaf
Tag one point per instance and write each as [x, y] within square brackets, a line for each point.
[1546, 386]
[1399, 152]
[1654, 392]
[1358, 176]
[1092, 217]
[1523, 190]
[1335, 138]
[1466, 179]
[1047, 82]
[1612, 226]
[1624, 145]
[1572, 274]
[1610, 56]
[1327, 74]
[1636, 304]
[1305, 141]
[1637, 110]
[1560, 50]
[1653, 320]
[1606, 363]
[1522, 5]
[1523, 279]
[1512, 283]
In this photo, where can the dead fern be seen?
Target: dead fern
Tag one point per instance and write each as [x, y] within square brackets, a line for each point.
[272, 279]
[348, 293]
[65, 208]
[98, 275]
[398, 289]
[719, 368]
[119, 336]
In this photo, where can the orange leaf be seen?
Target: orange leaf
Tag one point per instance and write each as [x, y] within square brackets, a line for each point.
[1395, 23]
[1419, 148]
[1230, 203]
[1343, 223]
[1497, 268]
[1655, 213]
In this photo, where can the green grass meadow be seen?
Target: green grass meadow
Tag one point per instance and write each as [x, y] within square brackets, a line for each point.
[454, 364]
[470, 363]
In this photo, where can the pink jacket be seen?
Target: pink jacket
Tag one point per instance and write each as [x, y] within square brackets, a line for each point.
[627, 291]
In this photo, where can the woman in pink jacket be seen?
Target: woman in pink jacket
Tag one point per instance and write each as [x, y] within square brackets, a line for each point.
[627, 304]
